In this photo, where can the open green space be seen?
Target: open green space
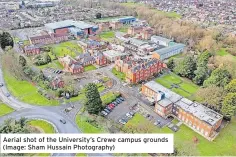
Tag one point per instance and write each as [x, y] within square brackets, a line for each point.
[54, 64]
[108, 35]
[4, 109]
[186, 87]
[85, 126]
[67, 48]
[45, 126]
[222, 52]
[109, 97]
[89, 68]
[26, 91]
[118, 74]
[224, 144]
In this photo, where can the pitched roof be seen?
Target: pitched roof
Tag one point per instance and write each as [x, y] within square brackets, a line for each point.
[68, 23]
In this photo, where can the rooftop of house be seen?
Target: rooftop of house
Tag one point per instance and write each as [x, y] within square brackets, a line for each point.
[169, 48]
[198, 110]
[137, 42]
[69, 23]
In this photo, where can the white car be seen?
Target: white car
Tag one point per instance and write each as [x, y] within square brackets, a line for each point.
[122, 121]
[129, 115]
[104, 113]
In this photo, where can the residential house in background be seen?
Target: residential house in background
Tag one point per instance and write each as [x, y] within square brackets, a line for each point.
[85, 59]
[57, 82]
[196, 116]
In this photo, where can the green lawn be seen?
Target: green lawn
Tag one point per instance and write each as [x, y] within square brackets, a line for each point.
[123, 29]
[118, 74]
[45, 126]
[224, 144]
[67, 48]
[107, 35]
[89, 68]
[222, 52]
[54, 64]
[85, 126]
[186, 87]
[26, 92]
[109, 97]
[4, 109]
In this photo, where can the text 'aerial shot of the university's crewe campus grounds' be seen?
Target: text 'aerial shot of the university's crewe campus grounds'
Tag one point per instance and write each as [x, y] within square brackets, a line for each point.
[121, 66]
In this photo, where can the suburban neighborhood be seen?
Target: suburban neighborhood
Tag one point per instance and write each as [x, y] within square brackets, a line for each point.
[120, 66]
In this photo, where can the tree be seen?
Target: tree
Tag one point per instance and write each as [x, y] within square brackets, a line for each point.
[47, 58]
[93, 101]
[211, 96]
[22, 61]
[229, 105]
[171, 64]
[6, 40]
[98, 15]
[186, 67]
[203, 58]
[201, 74]
[219, 77]
[231, 87]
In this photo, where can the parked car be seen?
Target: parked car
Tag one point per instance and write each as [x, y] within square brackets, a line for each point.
[158, 122]
[107, 111]
[1, 84]
[122, 121]
[110, 107]
[119, 101]
[121, 98]
[111, 104]
[7, 94]
[115, 103]
[129, 115]
[63, 121]
[104, 113]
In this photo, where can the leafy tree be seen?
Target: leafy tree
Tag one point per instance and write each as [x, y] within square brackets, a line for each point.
[229, 105]
[219, 77]
[211, 96]
[171, 64]
[231, 87]
[6, 40]
[14, 126]
[201, 74]
[47, 58]
[186, 67]
[203, 58]
[98, 15]
[93, 103]
[22, 61]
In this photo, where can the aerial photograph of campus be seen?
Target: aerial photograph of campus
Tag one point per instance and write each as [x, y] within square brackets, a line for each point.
[121, 66]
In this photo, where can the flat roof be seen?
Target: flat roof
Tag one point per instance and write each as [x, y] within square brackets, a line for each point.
[198, 110]
[161, 38]
[113, 53]
[68, 23]
[169, 48]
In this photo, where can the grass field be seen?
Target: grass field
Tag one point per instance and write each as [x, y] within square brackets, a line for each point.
[186, 87]
[26, 92]
[89, 68]
[67, 48]
[109, 97]
[45, 126]
[118, 74]
[107, 35]
[224, 144]
[4, 109]
[54, 64]
[85, 126]
[222, 52]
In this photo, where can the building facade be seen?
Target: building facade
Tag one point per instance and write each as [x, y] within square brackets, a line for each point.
[196, 116]
[71, 65]
[48, 39]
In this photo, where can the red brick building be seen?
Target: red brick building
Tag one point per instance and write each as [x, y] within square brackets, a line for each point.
[137, 71]
[196, 116]
[31, 50]
[48, 39]
[101, 60]
[141, 32]
[57, 82]
[71, 65]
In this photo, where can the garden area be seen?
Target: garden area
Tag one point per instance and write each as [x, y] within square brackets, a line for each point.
[181, 86]
[107, 36]
[89, 68]
[67, 48]
[26, 91]
[109, 97]
[118, 74]
[222, 145]
[5, 109]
